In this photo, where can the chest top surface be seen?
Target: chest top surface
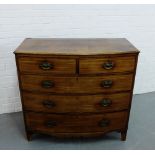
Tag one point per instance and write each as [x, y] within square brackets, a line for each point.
[72, 46]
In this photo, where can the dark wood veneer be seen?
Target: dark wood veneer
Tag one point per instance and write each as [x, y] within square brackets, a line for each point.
[77, 84]
[76, 87]
[75, 103]
[75, 123]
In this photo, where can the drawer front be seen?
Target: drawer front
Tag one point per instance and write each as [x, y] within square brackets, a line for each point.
[107, 65]
[75, 123]
[46, 65]
[91, 85]
[82, 103]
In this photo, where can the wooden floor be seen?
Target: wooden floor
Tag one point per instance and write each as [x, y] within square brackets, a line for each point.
[141, 132]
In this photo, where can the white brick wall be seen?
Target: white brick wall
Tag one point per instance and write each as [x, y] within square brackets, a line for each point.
[134, 22]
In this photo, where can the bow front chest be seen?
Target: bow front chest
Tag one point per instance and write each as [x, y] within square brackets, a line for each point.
[76, 87]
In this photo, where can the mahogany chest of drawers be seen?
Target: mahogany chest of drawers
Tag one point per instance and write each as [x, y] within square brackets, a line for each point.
[76, 87]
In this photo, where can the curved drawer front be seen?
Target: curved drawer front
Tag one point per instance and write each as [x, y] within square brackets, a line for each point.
[76, 123]
[91, 85]
[46, 65]
[82, 103]
[107, 65]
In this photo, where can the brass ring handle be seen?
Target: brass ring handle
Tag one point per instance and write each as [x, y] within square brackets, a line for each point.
[48, 104]
[105, 102]
[50, 124]
[108, 65]
[106, 83]
[47, 84]
[46, 65]
[104, 123]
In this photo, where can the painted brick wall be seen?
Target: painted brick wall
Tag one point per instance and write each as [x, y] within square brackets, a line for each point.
[134, 22]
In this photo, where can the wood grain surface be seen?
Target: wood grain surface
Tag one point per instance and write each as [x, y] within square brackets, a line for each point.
[58, 66]
[76, 103]
[74, 46]
[76, 87]
[75, 123]
[95, 66]
[77, 84]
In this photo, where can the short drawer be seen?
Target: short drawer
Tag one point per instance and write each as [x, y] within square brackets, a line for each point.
[82, 103]
[75, 123]
[46, 65]
[107, 65]
[91, 85]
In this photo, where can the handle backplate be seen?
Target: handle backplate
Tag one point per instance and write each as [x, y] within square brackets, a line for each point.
[45, 65]
[104, 123]
[50, 124]
[48, 104]
[47, 84]
[105, 102]
[108, 65]
[106, 83]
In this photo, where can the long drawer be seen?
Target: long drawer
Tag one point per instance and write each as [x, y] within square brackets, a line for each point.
[82, 103]
[75, 123]
[96, 84]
